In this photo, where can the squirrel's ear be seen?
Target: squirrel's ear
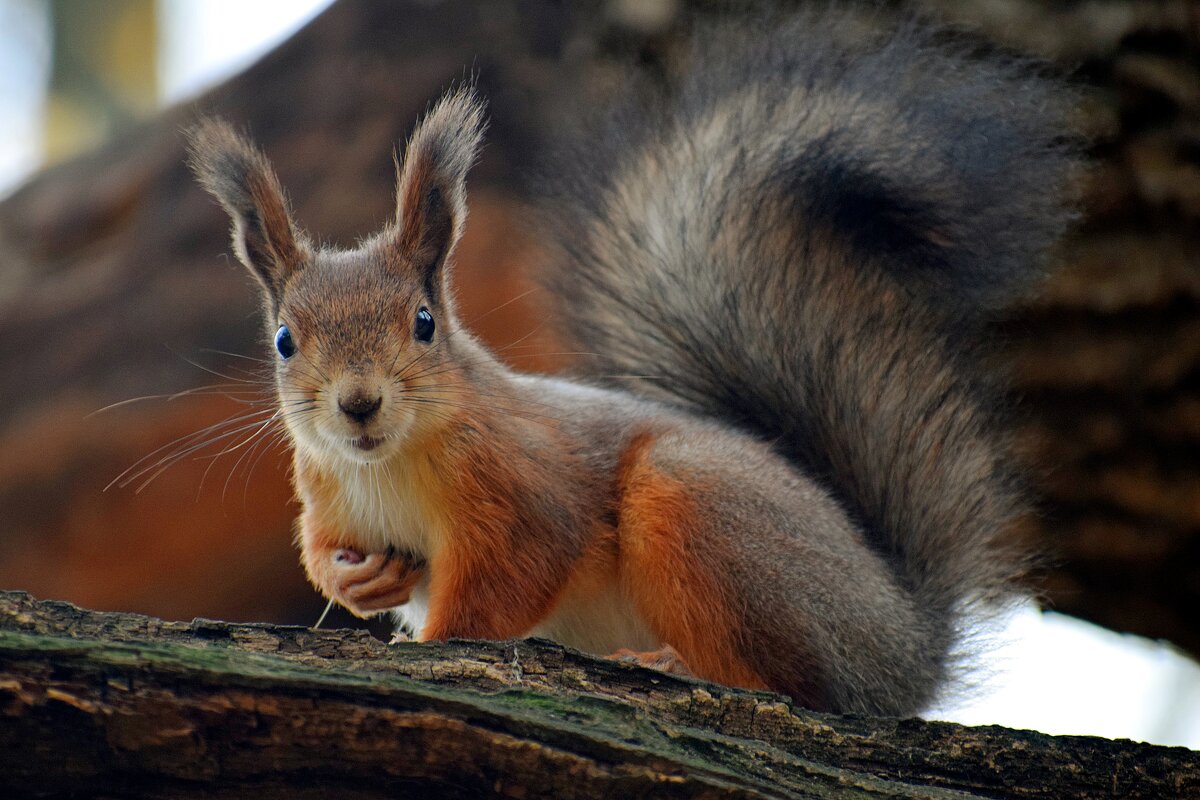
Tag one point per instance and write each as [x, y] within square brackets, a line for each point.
[239, 176]
[431, 198]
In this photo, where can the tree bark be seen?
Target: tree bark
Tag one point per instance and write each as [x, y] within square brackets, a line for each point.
[122, 705]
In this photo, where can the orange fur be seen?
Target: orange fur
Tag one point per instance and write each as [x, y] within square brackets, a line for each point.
[316, 537]
[495, 578]
[678, 594]
[598, 567]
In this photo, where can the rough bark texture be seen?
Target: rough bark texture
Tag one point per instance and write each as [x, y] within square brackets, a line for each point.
[120, 705]
[114, 273]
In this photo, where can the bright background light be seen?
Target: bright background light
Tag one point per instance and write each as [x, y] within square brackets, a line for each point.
[1050, 673]
[24, 72]
[203, 42]
[1057, 674]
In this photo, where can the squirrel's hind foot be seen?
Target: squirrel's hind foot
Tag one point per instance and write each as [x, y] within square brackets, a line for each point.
[665, 659]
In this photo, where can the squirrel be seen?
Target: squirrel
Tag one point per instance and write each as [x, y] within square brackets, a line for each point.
[799, 484]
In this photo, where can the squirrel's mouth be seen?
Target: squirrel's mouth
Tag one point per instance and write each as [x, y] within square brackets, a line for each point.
[366, 443]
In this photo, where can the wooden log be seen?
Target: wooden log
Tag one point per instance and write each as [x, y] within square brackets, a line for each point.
[109, 704]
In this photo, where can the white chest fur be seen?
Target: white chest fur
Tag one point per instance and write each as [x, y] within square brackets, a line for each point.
[380, 505]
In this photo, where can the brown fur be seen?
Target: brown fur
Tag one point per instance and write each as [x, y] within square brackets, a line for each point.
[237, 174]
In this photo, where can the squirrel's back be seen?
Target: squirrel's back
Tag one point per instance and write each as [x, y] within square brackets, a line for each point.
[794, 237]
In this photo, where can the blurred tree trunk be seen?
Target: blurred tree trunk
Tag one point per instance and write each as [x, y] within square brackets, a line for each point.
[123, 705]
[1107, 359]
[115, 274]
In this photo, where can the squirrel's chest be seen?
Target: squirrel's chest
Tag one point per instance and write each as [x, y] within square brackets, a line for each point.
[383, 509]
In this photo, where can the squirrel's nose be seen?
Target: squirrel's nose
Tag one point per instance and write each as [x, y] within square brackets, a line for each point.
[359, 407]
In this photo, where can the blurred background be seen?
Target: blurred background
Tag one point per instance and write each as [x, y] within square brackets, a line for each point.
[116, 283]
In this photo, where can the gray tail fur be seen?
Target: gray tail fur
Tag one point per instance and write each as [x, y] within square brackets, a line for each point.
[796, 236]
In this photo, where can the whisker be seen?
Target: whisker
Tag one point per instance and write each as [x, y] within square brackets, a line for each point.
[196, 438]
[507, 302]
[472, 390]
[219, 374]
[158, 467]
[324, 614]
[517, 342]
[236, 355]
[256, 437]
[215, 389]
[467, 394]
[270, 441]
[235, 447]
[444, 416]
[526, 415]
[251, 388]
[189, 437]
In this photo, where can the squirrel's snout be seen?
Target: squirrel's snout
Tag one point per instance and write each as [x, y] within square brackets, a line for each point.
[359, 407]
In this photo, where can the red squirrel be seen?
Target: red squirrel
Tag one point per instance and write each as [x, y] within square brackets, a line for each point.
[799, 484]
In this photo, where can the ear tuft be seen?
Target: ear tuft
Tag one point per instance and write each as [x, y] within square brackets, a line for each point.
[431, 198]
[236, 173]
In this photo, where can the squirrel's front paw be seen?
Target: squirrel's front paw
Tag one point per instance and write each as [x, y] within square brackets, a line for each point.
[367, 585]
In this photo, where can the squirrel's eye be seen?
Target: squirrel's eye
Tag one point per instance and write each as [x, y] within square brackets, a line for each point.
[284, 343]
[423, 329]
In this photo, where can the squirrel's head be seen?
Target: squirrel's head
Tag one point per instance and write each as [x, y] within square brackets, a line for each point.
[362, 338]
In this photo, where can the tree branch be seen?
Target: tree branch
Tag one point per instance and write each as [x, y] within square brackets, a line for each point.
[130, 705]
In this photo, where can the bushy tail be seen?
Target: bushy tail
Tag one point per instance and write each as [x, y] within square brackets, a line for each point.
[790, 238]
